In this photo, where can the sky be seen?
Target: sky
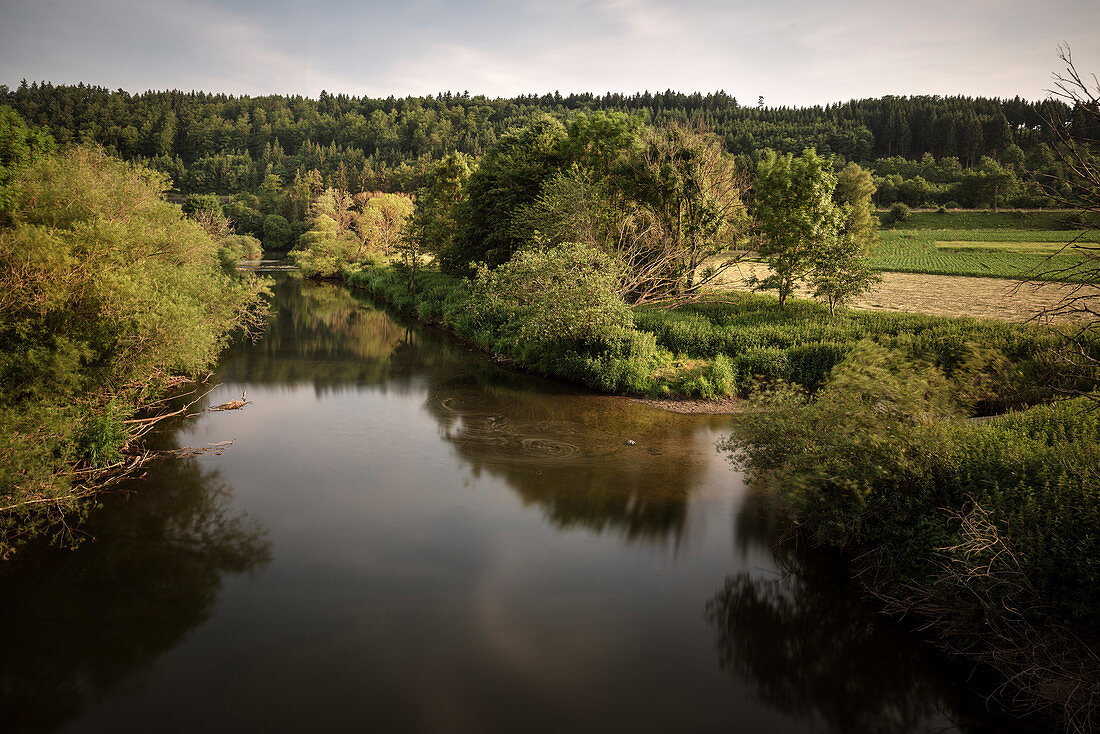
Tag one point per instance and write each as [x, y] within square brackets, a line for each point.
[791, 52]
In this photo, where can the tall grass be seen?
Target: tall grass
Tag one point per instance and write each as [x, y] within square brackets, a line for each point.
[801, 343]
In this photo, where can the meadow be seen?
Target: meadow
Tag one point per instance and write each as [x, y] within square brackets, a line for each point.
[1019, 245]
[992, 253]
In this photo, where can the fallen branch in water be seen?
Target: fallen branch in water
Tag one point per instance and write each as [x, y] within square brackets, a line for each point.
[232, 404]
[217, 449]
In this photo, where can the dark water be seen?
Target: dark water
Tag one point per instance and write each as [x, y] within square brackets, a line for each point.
[405, 537]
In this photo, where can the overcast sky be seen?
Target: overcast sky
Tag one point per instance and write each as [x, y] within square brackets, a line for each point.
[793, 52]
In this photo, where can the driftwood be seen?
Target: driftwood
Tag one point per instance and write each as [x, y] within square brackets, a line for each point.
[216, 449]
[232, 404]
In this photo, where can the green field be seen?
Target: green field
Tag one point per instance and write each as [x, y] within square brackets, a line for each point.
[1029, 219]
[998, 252]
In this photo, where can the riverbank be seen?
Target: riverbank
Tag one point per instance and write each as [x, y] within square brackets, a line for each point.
[717, 351]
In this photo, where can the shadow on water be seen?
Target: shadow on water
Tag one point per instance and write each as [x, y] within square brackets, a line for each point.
[806, 644]
[78, 624]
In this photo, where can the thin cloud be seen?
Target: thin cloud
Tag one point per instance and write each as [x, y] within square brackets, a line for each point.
[795, 53]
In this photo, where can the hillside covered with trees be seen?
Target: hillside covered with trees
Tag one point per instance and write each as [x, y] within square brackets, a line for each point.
[962, 151]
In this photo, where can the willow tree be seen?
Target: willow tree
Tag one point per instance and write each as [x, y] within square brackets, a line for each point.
[666, 205]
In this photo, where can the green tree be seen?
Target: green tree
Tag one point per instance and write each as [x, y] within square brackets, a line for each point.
[435, 219]
[330, 244]
[509, 176]
[382, 221]
[855, 187]
[693, 198]
[276, 233]
[431, 228]
[660, 203]
[796, 217]
[841, 271]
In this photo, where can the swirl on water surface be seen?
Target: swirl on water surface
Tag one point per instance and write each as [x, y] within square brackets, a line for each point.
[475, 419]
[548, 448]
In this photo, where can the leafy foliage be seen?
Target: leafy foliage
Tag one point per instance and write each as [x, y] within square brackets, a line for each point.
[105, 288]
[871, 461]
[507, 178]
[563, 296]
[804, 234]
[658, 202]
[347, 229]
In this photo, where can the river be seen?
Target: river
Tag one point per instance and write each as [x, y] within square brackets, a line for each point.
[405, 537]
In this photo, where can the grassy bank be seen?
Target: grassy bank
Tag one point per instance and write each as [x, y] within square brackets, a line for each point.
[717, 350]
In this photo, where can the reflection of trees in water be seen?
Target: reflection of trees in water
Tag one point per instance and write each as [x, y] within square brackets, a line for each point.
[564, 451]
[559, 449]
[76, 624]
[812, 651]
[758, 522]
[327, 335]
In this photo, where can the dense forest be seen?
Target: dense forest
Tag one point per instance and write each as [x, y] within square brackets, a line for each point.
[953, 151]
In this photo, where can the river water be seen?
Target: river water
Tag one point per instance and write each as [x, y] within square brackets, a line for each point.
[405, 537]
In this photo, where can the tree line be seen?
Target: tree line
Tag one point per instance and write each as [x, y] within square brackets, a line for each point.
[228, 144]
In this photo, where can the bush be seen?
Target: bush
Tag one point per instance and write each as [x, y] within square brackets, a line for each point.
[241, 247]
[277, 233]
[108, 290]
[879, 463]
[558, 298]
[898, 213]
[196, 203]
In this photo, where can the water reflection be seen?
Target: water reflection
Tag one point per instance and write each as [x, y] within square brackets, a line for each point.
[323, 334]
[559, 448]
[77, 624]
[568, 454]
[809, 648]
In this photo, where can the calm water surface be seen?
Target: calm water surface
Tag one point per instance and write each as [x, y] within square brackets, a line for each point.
[404, 537]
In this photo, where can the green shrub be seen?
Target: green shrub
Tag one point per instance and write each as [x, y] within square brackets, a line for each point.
[558, 298]
[898, 213]
[101, 438]
[108, 290]
[879, 463]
